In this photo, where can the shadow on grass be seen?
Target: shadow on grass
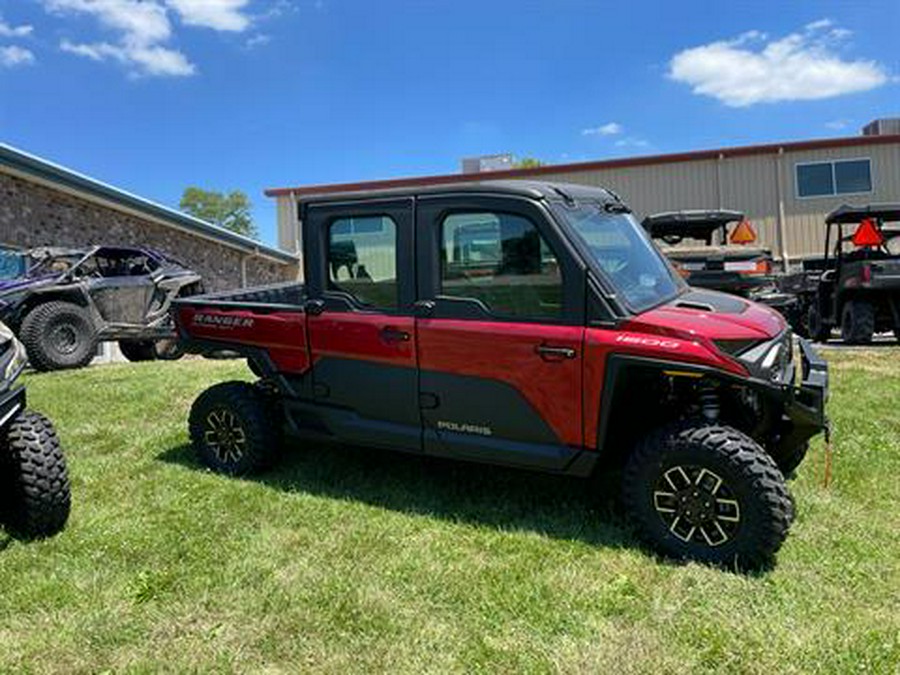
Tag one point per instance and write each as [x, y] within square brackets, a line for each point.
[501, 498]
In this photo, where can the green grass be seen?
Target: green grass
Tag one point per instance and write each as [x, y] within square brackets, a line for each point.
[347, 560]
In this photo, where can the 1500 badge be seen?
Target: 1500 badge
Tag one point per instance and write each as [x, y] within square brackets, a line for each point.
[223, 321]
[648, 341]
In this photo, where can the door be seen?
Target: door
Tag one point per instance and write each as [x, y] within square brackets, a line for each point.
[500, 332]
[120, 285]
[360, 325]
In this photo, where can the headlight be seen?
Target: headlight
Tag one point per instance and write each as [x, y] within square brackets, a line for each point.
[770, 360]
[13, 360]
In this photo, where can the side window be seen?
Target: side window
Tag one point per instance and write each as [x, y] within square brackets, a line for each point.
[502, 260]
[362, 259]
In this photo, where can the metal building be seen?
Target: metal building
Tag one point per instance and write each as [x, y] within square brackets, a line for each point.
[786, 189]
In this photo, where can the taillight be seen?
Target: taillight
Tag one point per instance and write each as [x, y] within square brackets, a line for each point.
[866, 273]
[749, 267]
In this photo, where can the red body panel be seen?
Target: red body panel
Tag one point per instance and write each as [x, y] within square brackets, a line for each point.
[600, 343]
[281, 334]
[755, 321]
[360, 336]
[506, 352]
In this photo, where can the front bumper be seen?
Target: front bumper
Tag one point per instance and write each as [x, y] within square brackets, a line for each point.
[804, 405]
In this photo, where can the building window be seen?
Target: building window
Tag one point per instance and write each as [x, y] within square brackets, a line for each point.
[826, 179]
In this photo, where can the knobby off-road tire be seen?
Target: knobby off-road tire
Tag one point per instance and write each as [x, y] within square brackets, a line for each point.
[709, 493]
[138, 350]
[858, 322]
[59, 335]
[35, 481]
[815, 328]
[234, 428]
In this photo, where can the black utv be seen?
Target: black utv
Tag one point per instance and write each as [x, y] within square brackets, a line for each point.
[701, 246]
[34, 482]
[858, 287]
[62, 302]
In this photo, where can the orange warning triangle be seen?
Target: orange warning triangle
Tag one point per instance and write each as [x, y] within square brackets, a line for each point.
[743, 233]
[867, 234]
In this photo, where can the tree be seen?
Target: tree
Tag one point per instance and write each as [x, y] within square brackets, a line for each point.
[528, 163]
[231, 211]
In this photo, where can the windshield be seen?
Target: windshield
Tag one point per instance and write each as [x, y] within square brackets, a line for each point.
[12, 265]
[622, 250]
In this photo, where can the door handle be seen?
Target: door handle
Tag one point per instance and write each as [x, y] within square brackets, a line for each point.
[391, 334]
[424, 308]
[314, 307]
[549, 352]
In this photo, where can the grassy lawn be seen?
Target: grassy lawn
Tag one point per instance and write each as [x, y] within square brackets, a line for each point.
[348, 560]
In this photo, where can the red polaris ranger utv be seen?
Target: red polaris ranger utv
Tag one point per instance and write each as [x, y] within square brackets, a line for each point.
[524, 324]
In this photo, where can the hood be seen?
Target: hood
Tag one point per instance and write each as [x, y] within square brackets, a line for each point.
[713, 315]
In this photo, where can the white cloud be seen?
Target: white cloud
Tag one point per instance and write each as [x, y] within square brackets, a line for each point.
[12, 56]
[144, 29]
[837, 125]
[153, 60]
[632, 142]
[8, 31]
[226, 15]
[257, 40]
[139, 21]
[608, 129]
[753, 69]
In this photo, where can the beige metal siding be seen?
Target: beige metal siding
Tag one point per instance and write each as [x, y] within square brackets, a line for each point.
[288, 225]
[749, 183]
[805, 229]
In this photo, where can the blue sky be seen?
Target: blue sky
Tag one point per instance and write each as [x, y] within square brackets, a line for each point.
[154, 95]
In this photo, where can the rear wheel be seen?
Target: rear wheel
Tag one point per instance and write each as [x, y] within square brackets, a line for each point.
[707, 492]
[59, 335]
[234, 429]
[138, 350]
[858, 322]
[36, 483]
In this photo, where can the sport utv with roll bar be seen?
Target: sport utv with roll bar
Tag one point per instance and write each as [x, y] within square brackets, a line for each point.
[526, 324]
[857, 287]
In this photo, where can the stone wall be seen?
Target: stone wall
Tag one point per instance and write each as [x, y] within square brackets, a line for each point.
[34, 215]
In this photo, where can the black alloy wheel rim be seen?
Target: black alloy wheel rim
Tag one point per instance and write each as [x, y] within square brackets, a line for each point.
[697, 506]
[64, 338]
[225, 436]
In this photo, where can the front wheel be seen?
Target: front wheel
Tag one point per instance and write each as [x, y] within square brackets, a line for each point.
[233, 428]
[59, 335]
[33, 471]
[707, 492]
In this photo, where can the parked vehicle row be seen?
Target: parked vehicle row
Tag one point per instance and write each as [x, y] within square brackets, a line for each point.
[854, 287]
[524, 324]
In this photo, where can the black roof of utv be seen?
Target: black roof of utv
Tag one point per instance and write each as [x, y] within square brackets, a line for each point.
[853, 214]
[694, 224]
[523, 188]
